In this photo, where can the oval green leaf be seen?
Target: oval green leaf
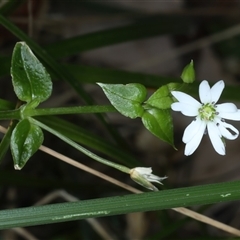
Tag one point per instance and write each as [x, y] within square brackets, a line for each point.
[159, 123]
[127, 99]
[25, 140]
[30, 79]
[162, 98]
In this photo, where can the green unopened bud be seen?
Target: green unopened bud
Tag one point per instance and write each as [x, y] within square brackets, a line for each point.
[188, 74]
[144, 177]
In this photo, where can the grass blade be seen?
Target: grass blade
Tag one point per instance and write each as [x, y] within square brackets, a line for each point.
[181, 197]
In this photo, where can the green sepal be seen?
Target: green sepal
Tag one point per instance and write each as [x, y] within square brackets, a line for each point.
[159, 123]
[30, 79]
[25, 141]
[127, 99]
[162, 98]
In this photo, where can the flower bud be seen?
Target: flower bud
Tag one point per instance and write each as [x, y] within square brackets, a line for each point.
[188, 74]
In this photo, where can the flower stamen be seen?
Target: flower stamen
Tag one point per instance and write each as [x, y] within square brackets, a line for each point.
[207, 112]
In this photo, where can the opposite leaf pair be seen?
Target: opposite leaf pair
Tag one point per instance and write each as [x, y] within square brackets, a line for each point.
[130, 101]
[32, 84]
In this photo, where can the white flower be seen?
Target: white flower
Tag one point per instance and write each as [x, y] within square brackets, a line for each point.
[144, 176]
[209, 116]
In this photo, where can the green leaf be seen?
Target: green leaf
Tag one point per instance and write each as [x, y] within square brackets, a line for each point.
[159, 123]
[162, 98]
[127, 99]
[30, 79]
[25, 141]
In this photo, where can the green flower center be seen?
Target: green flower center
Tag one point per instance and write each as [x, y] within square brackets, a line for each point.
[207, 112]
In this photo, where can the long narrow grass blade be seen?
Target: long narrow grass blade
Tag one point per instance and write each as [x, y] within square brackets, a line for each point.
[190, 196]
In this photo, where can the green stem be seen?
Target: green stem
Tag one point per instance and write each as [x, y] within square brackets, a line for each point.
[10, 114]
[80, 148]
[69, 110]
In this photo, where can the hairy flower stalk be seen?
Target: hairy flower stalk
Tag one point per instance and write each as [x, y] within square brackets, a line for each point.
[209, 117]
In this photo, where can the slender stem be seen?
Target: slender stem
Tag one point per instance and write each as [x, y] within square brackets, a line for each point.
[80, 148]
[10, 114]
[70, 110]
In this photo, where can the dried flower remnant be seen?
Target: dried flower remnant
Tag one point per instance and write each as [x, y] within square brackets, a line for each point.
[144, 177]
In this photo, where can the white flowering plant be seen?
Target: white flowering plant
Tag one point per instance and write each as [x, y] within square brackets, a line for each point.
[32, 86]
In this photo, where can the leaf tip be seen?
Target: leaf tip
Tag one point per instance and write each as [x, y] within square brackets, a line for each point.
[99, 84]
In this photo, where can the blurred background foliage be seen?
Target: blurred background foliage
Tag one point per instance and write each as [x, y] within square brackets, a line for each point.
[121, 42]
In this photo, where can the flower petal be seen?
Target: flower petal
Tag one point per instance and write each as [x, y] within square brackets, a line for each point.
[230, 115]
[204, 92]
[192, 129]
[193, 144]
[223, 128]
[185, 109]
[216, 90]
[195, 140]
[185, 98]
[215, 137]
[226, 107]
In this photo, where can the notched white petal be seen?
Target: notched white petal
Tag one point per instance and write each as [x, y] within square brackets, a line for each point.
[185, 98]
[230, 116]
[195, 140]
[204, 92]
[228, 131]
[216, 90]
[192, 145]
[185, 109]
[215, 137]
[226, 107]
[193, 129]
